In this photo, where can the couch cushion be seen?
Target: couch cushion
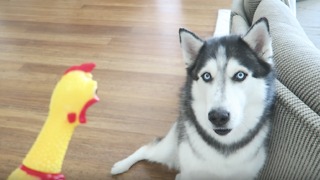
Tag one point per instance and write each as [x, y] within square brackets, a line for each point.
[295, 138]
[297, 59]
[250, 7]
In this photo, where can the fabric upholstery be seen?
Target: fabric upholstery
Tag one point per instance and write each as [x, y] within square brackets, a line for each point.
[238, 20]
[238, 9]
[295, 140]
[294, 148]
[250, 7]
[297, 59]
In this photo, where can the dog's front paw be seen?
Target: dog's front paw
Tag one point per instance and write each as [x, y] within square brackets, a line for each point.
[120, 167]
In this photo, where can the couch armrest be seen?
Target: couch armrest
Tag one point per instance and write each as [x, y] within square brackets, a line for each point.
[294, 149]
[250, 6]
[297, 59]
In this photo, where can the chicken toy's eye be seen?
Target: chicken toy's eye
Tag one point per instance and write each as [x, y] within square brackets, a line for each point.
[72, 117]
[239, 76]
[206, 77]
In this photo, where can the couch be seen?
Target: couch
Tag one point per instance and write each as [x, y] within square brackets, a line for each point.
[294, 151]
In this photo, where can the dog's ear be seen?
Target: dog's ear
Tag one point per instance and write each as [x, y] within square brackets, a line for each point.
[259, 39]
[190, 44]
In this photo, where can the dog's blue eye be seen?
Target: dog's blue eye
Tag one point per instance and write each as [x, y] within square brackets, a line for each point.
[206, 77]
[239, 76]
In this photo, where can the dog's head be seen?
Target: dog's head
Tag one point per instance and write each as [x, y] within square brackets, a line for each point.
[229, 78]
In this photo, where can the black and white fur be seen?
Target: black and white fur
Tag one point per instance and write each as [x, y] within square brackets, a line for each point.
[224, 120]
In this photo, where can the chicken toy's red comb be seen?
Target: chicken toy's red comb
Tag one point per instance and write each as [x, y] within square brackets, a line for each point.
[86, 67]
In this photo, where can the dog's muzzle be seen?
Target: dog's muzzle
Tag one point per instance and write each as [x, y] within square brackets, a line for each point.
[219, 118]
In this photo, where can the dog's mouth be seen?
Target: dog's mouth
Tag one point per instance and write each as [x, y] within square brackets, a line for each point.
[222, 132]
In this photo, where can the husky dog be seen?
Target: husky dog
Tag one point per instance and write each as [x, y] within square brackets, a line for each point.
[225, 109]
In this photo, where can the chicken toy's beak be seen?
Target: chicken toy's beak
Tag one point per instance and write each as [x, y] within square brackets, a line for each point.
[87, 68]
[82, 117]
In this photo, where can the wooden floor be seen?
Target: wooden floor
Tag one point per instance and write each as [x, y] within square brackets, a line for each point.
[135, 45]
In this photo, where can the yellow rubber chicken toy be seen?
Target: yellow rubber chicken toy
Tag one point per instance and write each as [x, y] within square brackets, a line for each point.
[72, 96]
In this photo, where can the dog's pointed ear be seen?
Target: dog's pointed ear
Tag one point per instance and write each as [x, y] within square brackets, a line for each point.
[259, 39]
[190, 44]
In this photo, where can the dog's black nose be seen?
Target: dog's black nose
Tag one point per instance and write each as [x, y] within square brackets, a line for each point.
[219, 117]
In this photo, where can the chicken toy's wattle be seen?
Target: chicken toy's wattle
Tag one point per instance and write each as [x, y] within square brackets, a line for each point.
[70, 100]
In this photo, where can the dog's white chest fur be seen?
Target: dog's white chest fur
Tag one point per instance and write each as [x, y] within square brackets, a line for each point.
[198, 160]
